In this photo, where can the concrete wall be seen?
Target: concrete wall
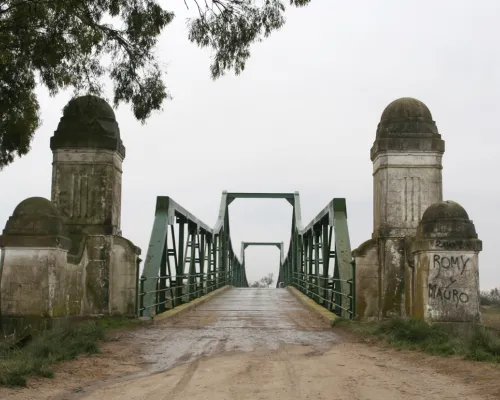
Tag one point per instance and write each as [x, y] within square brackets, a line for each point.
[34, 283]
[122, 277]
[392, 270]
[41, 283]
[367, 280]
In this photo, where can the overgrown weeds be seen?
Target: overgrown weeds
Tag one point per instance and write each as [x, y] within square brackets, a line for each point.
[477, 343]
[49, 347]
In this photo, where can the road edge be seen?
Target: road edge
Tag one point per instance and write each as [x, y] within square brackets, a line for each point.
[175, 312]
[313, 306]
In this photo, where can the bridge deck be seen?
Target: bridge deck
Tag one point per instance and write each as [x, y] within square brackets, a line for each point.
[238, 320]
[268, 346]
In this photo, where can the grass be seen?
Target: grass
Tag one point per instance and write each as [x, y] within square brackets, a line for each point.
[49, 347]
[480, 344]
[491, 316]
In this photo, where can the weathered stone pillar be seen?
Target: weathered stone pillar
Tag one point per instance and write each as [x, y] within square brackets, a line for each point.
[33, 273]
[86, 188]
[444, 284]
[67, 257]
[406, 156]
[87, 167]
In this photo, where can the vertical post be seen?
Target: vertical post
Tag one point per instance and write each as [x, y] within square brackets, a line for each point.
[343, 253]
[353, 291]
[179, 277]
[173, 282]
[309, 262]
[337, 287]
[137, 285]
[316, 264]
[325, 247]
[304, 264]
[213, 262]
[142, 312]
[192, 264]
[202, 252]
[162, 284]
[218, 261]
[301, 276]
[295, 258]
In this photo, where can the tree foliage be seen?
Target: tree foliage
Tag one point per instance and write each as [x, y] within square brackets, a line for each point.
[75, 43]
[264, 282]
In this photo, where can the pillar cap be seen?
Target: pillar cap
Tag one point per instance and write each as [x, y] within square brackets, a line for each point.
[446, 219]
[35, 222]
[88, 122]
[406, 124]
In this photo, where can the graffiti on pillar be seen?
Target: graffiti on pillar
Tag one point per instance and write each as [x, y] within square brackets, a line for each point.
[447, 271]
[452, 263]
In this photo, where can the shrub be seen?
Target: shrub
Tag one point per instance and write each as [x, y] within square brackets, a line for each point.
[52, 346]
[480, 345]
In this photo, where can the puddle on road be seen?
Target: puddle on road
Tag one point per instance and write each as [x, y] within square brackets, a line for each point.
[239, 321]
[170, 347]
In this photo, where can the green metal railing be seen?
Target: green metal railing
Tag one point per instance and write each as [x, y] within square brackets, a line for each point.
[308, 265]
[187, 259]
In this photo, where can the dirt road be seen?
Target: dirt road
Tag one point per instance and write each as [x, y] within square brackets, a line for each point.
[258, 344]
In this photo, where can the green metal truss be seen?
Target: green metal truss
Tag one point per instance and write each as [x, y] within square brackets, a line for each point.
[307, 265]
[187, 259]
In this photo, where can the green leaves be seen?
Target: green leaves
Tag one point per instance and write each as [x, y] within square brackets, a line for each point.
[63, 43]
[19, 109]
[231, 26]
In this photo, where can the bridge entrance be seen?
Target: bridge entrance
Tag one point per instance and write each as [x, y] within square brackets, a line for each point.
[187, 259]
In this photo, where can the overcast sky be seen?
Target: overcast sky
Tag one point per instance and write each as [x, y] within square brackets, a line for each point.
[303, 116]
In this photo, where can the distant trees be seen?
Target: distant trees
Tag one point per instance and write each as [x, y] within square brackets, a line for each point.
[264, 282]
[491, 298]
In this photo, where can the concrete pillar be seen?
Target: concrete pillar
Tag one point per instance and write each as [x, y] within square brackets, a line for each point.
[67, 257]
[33, 269]
[407, 163]
[87, 168]
[444, 285]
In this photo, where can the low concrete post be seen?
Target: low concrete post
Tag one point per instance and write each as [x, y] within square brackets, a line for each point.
[33, 274]
[445, 277]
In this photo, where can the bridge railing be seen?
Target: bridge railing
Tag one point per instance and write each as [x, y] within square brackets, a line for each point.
[186, 258]
[308, 264]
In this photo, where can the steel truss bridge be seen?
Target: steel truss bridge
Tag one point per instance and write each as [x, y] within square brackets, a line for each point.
[187, 259]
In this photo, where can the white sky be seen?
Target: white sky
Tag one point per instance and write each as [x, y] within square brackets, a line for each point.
[303, 116]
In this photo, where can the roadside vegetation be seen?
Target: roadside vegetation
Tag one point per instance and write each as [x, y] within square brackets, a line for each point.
[36, 358]
[490, 308]
[481, 343]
